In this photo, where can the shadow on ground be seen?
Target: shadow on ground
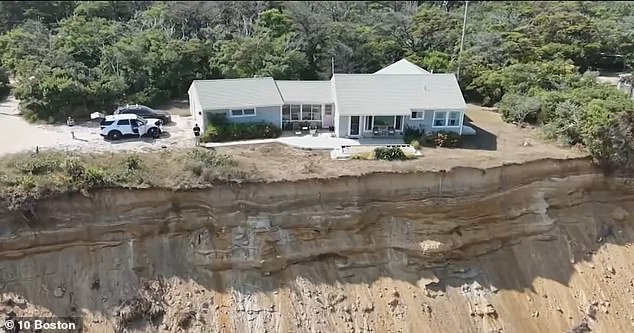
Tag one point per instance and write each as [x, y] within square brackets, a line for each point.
[482, 140]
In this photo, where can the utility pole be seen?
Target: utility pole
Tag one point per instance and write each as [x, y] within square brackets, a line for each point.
[464, 25]
[332, 66]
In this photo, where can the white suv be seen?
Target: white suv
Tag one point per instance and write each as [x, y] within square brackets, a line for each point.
[117, 126]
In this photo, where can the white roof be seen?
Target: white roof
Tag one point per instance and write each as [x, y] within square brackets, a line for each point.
[402, 67]
[122, 116]
[369, 94]
[305, 91]
[233, 93]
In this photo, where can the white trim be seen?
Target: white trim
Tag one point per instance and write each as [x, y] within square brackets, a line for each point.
[231, 115]
[446, 123]
[281, 117]
[350, 127]
[461, 120]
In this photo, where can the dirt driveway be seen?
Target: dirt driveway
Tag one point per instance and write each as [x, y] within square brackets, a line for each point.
[17, 135]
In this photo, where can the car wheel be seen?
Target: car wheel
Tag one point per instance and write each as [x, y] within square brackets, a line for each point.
[154, 132]
[114, 135]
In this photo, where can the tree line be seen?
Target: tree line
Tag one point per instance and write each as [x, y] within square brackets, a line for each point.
[536, 60]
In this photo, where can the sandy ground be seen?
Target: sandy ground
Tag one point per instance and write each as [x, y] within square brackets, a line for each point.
[16, 135]
[495, 143]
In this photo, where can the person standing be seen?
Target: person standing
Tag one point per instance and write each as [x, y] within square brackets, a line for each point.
[196, 135]
[70, 122]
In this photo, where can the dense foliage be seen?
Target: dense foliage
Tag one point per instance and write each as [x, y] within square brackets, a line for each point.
[418, 138]
[225, 131]
[389, 154]
[24, 178]
[77, 57]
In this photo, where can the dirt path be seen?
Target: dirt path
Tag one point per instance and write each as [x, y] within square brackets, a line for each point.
[17, 135]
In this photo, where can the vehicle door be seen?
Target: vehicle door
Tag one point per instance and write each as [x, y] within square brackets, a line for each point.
[142, 126]
[134, 125]
[124, 127]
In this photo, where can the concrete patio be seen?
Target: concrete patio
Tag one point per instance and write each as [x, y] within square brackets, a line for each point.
[322, 141]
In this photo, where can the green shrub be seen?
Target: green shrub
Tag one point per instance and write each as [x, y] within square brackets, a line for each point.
[95, 177]
[220, 132]
[415, 144]
[444, 139]
[133, 162]
[389, 154]
[39, 164]
[519, 108]
[410, 134]
[74, 168]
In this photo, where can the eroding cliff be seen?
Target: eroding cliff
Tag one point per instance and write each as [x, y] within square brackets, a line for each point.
[538, 247]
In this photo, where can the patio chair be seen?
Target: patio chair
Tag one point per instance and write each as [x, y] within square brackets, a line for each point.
[296, 129]
[375, 131]
[391, 131]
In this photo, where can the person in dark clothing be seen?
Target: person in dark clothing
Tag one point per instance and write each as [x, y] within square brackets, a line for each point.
[196, 135]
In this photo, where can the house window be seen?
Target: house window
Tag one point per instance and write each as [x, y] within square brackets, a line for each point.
[328, 109]
[315, 112]
[418, 115]
[368, 123]
[243, 113]
[440, 119]
[384, 121]
[286, 112]
[399, 123]
[295, 112]
[305, 111]
[454, 119]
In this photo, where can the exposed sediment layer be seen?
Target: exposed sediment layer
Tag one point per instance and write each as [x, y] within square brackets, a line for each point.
[464, 249]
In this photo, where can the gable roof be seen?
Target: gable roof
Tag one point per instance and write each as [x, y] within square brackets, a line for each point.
[402, 66]
[370, 94]
[305, 91]
[234, 93]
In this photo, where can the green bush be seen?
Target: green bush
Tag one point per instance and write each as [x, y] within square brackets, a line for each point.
[133, 162]
[444, 139]
[74, 168]
[220, 132]
[95, 177]
[410, 134]
[39, 164]
[389, 154]
[415, 144]
[5, 88]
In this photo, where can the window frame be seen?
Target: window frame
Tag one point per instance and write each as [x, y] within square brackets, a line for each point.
[444, 119]
[417, 112]
[457, 118]
[242, 114]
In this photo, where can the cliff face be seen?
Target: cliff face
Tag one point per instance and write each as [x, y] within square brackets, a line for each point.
[538, 247]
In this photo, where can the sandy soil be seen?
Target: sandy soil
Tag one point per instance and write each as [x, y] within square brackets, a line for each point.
[496, 143]
[16, 135]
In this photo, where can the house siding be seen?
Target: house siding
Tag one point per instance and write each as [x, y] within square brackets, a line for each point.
[194, 107]
[343, 126]
[267, 114]
[426, 124]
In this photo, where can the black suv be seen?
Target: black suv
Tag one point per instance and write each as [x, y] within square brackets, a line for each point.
[144, 112]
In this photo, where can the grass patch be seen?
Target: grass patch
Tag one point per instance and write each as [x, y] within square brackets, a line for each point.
[25, 178]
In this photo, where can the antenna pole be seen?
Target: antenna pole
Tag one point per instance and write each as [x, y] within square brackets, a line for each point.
[464, 25]
[332, 64]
